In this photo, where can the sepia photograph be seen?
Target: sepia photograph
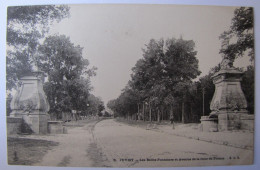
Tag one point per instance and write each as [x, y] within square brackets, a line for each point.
[130, 85]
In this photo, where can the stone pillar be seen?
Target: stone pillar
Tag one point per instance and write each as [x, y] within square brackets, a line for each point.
[30, 103]
[228, 102]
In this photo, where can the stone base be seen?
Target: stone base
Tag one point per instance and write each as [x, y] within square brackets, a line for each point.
[247, 122]
[36, 120]
[38, 123]
[14, 125]
[208, 124]
[235, 121]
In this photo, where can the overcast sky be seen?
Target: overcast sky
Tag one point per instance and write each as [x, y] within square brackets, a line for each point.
[113, 36]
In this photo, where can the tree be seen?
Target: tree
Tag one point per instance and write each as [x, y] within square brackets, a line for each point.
[58, 99]
[68, 84]
[148, 76]
[60, 59]
[78, 90]
[181, 66]
[248, 86]
[95, 105]
[111, 104]
[240, 37]
[159, 78]
[8, 103]
[126, 103]
[26, 25]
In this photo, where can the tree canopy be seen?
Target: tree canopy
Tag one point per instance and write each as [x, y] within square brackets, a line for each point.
[240, 37]
[26, 25]
[68, 86]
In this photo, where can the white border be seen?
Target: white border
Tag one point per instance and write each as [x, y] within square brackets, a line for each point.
[3, 8]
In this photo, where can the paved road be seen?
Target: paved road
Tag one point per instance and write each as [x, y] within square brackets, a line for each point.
[128, 146]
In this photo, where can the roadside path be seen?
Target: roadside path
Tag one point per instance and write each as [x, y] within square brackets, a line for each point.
[237, 139]
[131, 146]
[78, 148]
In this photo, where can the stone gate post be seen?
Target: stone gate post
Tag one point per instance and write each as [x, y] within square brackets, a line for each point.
[30, 102]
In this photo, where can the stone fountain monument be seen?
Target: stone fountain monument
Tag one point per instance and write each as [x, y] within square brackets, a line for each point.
[228, 105]
[30, 104]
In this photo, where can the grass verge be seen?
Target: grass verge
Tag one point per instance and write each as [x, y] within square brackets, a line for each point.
[22, 151]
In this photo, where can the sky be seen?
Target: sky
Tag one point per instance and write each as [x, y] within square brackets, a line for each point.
[113, 37]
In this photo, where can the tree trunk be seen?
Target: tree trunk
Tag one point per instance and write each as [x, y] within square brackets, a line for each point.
[171, 110]
[162, 114]
[150, 112]
[182, 115]
[191, 114]
[143, 112]
[153, 112]
[138, 112]
[158, 115]
[203, 93]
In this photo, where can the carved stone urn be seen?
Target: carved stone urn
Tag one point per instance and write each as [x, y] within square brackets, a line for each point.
[30, 103]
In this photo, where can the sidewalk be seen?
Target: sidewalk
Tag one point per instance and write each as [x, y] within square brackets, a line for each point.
[237, 139]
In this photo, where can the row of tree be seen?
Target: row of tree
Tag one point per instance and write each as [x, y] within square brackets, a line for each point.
[67, 74]
[161, 83]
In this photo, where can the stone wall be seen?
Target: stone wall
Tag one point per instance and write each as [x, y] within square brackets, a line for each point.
[56, 127]
[233, 121]
[14, 125]
[208, 124]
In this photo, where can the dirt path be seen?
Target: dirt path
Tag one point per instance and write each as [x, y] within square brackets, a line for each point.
[78, 148]
[129, 146]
